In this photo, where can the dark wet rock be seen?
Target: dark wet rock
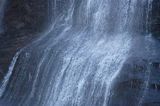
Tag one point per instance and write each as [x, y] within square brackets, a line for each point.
[24, 15]
[156, 65]
[139, 78]
[151, 104]
[155, 87]
[24, 20]
[155, 19]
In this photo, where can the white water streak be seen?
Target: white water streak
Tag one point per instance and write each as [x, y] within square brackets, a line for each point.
[9, 73]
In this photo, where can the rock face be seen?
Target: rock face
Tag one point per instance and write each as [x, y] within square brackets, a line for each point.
[155, 19]
[26, 16]
[2, 7]
[23, 21]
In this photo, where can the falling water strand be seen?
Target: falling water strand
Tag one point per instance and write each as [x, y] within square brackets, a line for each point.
[146, 84]
[148, 38]
[148, 17]
[9, 73]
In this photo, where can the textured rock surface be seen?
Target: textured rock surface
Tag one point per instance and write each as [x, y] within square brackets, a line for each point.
[24, 20]
[155, 20]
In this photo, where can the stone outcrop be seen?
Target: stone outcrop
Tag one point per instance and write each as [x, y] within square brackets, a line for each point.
[23, 21]
[155, 19]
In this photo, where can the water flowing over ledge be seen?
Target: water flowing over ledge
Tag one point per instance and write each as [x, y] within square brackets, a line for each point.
[79, 59]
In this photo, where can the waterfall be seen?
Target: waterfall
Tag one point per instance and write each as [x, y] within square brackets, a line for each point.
[77, 61]
[2, 7]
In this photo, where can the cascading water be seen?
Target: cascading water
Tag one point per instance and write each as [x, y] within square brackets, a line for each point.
[77, 61]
